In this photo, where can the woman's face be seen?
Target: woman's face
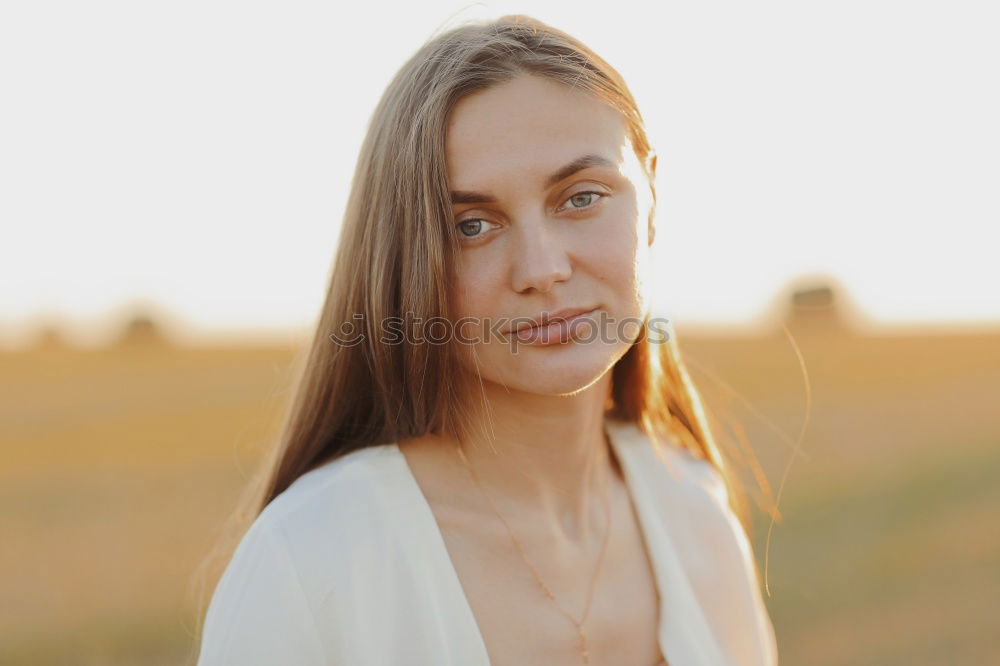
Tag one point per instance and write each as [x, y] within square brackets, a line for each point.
[538, 236]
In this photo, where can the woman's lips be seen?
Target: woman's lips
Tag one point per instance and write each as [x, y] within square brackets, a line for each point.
[557, 331]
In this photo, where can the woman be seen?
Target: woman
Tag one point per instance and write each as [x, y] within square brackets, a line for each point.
[492, 457]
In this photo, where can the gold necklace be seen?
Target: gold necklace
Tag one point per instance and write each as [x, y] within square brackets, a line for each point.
[584, 649]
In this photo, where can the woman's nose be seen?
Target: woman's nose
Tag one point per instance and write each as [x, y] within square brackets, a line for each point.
[540, 258]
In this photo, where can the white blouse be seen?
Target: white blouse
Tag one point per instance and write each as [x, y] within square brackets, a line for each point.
[348, 567]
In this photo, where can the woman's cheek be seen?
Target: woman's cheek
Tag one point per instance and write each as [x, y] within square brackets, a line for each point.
[479, 286]
[613, 250]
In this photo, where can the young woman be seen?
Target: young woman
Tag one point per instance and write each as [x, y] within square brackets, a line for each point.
[493, 456]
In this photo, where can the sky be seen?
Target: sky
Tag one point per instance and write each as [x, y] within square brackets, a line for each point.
[195, 157]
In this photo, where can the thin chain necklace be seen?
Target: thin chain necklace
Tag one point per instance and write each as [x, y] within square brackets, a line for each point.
[584, 649]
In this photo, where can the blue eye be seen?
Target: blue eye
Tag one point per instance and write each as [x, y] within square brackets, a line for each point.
[471, 227]
[583, 194]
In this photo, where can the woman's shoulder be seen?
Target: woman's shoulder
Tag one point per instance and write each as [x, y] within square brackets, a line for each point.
[353, 474]
[312, 543]
[684, 499]
[349, 497]
[659, 456]
[334, 521]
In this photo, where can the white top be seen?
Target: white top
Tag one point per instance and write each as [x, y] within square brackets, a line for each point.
[348, 567]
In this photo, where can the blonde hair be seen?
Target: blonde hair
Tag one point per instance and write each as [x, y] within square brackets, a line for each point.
[395, 256]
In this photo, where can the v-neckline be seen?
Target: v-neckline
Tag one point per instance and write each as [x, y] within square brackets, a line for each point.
[637, 498]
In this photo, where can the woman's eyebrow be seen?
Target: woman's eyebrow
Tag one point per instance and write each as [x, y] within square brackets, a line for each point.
[580, 163]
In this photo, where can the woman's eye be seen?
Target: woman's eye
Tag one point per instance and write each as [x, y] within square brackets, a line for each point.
[475, 227]
[470, 228]
[583, 199]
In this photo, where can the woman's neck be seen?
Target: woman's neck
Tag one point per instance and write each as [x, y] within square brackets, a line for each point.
[546, 456]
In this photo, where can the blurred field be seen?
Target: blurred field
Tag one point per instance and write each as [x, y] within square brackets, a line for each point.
[119, 466]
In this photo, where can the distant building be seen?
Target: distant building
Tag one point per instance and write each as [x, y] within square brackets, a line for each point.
[141, 331]
[818, 308]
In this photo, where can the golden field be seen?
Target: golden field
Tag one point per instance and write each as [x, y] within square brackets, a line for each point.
[119, 466]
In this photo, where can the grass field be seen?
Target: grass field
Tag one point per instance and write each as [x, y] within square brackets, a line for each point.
[119, 467]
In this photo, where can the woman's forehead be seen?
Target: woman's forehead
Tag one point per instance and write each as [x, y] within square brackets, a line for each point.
[529, 126]
[529, 109]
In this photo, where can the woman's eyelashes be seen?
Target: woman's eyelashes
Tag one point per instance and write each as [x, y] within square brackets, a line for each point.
[582, 194]
[469, 228]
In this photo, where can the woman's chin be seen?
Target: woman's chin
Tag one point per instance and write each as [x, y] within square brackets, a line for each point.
[553, 369]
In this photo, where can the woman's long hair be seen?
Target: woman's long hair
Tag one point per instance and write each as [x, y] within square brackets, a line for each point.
[394, 258]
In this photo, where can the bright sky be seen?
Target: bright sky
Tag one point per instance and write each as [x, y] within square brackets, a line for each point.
[197, 155]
